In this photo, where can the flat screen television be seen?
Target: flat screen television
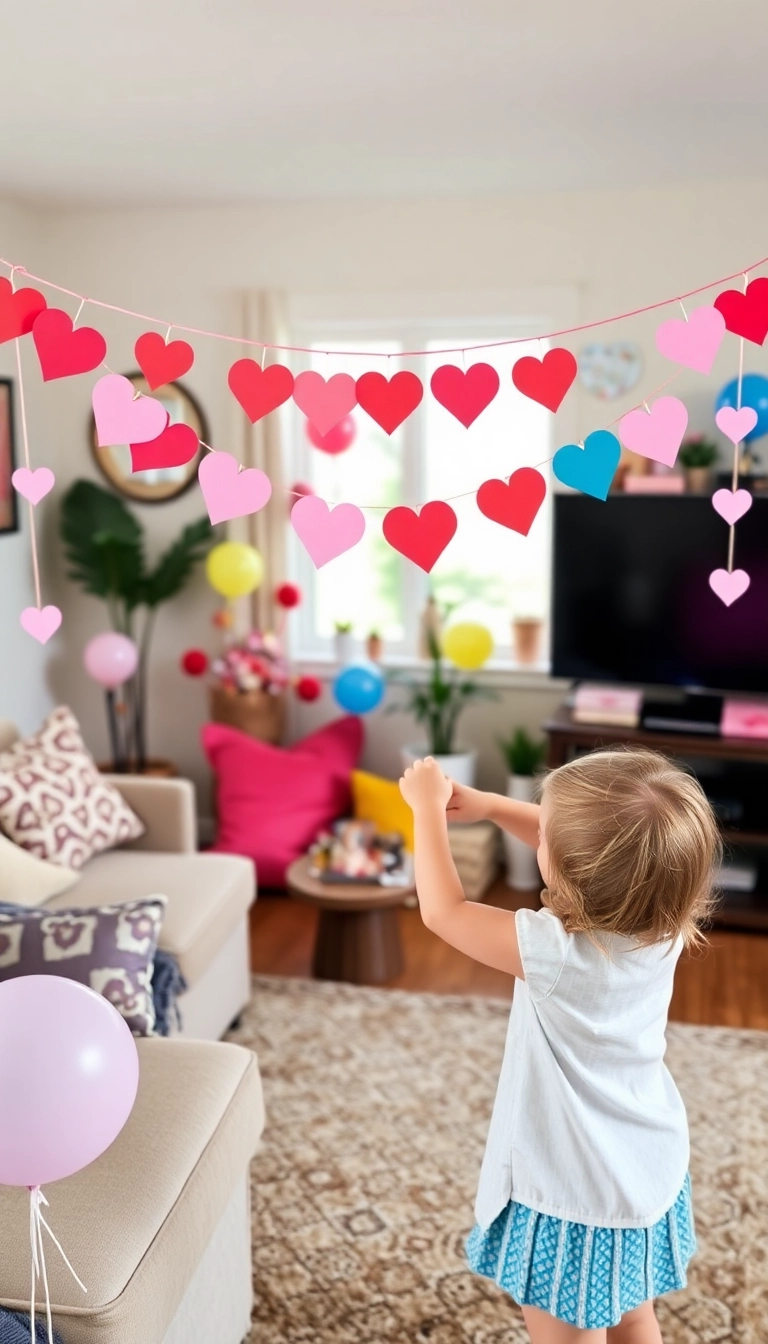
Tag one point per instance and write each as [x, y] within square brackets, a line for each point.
[631, 597]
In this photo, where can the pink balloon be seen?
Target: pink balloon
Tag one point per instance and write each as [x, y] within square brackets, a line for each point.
[110, 659]
[337, 439]
[70, 1071]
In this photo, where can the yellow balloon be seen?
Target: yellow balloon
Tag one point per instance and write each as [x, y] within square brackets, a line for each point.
[234, 569]
[468, 645]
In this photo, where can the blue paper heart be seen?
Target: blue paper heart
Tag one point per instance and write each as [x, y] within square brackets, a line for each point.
[591, 468]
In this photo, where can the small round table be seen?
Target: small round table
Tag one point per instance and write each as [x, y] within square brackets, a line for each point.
[358, 939]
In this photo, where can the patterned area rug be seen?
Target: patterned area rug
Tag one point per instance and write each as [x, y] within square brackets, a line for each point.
[378, 1103]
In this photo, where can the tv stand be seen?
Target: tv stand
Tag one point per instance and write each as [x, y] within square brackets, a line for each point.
[713, 759]
[691, 712]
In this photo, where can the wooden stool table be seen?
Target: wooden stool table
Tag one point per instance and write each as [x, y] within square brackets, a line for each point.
[358, 939]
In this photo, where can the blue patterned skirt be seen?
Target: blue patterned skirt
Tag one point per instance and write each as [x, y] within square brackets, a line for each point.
[587, 1276]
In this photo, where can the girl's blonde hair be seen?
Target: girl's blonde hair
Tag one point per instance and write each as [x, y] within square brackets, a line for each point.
[633, 847]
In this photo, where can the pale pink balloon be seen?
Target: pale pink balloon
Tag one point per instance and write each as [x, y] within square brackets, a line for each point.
[69, 1070]
[110, 659]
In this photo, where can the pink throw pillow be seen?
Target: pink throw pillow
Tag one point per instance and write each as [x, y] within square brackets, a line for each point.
[272, 801]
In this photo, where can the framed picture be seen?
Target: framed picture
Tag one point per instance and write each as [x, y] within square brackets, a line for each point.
[160, 484]
[9, 513]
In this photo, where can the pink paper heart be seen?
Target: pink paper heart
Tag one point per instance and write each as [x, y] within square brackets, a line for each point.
[729, 586]
[325, 403]
[122, 419]
[694, 343]
[731, 504]
[41, 623]
[33, 485]
[229, 492]
[326, 532]
[736, 424]
[656, 433]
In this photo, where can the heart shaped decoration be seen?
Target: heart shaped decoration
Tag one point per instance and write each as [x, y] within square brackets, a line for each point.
[18, 310]
[62, 351]
[389, 401]
[591, 468]
[122, 417]
[694, 343]
[465, 392]
[41, 622]
[731, 504]
[421, 537]
[229, 492]
[324, 403]
[545, 380]
[513, 503]
[258, 390]
[326, 533]
[656, 433]
[728, 586]
[175, 447]
[162, 363]
[746, 314]
[736, 424]
[33, 485]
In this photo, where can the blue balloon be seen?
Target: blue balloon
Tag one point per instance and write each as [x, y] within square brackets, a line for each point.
[754, 393]
[359, 688]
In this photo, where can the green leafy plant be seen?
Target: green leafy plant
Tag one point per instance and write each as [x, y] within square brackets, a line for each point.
[104, 545]
[523, 754]
[342, 627]
[698, 452]
[437, 703]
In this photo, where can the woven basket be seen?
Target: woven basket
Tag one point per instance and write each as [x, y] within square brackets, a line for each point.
[256, 713]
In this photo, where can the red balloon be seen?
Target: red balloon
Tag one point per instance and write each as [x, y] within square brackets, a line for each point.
[288, 595]
[337, 440]
[194, 662]
[309, 688]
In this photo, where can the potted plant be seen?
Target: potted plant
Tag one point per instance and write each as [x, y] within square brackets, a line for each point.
[697, 458]
[373, 646]
[437, 704]
[248, 686]
[524, 756]
[526, 638]
[343, 642]
[104, 544]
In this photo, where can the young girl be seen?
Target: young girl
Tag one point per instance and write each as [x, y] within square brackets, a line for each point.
[584, 1206]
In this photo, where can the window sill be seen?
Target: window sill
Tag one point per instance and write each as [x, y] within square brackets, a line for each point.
[516, 676]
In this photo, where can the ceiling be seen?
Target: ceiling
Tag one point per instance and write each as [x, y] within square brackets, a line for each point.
[213, 101]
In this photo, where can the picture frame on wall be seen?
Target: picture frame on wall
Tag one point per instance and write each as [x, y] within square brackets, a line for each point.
[9, 511]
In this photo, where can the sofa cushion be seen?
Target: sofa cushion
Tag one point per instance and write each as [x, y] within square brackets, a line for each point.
[135, 1223]
[207, 896]
[27, 880]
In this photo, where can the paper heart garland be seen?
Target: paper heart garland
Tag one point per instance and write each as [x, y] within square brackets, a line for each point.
[18, 310]
[729, 586]
[591, 468]
[326, 533]
[229, 492]
[421, 537]
[545, 380]
[324, 403]
[174, 447]
[258, 390]
[162, 363]
[513, 503]
[736, 424]
[656, 433]
[746, 314]
[731, 504]
[389, 401]
[41, 623]
[465, 392]
[694, 343]
[122, 419]
[33, 485]
[62, 351]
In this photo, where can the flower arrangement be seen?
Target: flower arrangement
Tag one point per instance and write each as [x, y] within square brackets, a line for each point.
[255, 663]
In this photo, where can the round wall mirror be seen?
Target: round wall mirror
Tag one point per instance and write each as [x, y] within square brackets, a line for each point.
[159, 484]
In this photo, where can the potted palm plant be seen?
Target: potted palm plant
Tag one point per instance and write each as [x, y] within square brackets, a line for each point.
[104, 544]
[524, 756]
[437, 704]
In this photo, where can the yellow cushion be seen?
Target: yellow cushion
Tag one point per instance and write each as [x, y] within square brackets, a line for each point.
[380, 801]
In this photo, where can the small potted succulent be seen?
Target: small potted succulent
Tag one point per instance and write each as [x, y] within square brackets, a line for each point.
[343, 643]
[524, 756]
[697, 458]
[374, 646]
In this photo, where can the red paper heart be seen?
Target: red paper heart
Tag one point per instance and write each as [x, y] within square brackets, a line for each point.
[161, 363]
[746, 314]
[465, 393]
[176, 446]
[18, 310]
[516, 503]
[389, 401]
[63, 352]
[258, 390]
[421, 537]
[545, 380]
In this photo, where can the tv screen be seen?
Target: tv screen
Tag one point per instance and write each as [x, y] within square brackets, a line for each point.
[631, 597]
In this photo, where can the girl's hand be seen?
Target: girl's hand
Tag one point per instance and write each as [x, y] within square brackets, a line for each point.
[467, 805]
[424, 784]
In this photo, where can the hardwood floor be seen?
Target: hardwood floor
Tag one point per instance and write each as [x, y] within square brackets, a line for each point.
[726, 985]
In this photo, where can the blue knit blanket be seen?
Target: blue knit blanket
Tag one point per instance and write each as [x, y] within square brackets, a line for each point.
[14, 1329]
[167, 984]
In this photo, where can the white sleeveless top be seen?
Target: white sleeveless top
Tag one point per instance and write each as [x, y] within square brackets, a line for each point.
[587, 1125]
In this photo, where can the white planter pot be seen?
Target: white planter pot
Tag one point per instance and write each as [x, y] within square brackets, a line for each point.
[460, 766]
[344, 647]
[522, 868]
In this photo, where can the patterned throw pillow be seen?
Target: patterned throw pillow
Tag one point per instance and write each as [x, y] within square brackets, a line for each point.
[54, 802]
[110, 948]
